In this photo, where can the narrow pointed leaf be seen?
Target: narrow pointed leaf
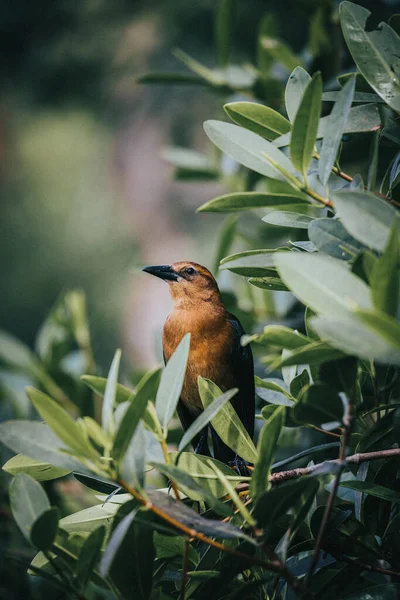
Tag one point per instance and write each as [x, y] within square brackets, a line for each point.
[39, 470]
[295, 88]
[266, 448]
[225, 20]
[107, 417]
[305, 126]
[89, 555]
[205, 417]
[285, 218]
[171, 383]
[334, 130]
[241, 201]
[261, 119]
[385, 278]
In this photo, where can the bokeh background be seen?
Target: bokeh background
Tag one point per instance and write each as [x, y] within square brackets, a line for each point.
[89, 187]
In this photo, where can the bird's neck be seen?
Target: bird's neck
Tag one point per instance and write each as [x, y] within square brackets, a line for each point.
[197, 318]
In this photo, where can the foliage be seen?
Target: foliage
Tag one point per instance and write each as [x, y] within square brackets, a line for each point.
[328, 529]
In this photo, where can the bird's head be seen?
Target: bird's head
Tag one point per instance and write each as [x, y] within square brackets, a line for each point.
[189, 282]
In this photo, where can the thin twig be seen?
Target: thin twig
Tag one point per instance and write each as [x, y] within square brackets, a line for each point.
[167, 461]
[347, 422]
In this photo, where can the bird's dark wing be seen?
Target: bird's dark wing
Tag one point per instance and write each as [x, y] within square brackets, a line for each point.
[243, 367]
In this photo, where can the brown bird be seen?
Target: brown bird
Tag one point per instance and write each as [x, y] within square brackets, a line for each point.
[215, 350]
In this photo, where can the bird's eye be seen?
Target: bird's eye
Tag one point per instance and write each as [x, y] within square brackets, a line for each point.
[190, 271]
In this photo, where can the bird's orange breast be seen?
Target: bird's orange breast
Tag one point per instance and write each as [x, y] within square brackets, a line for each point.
[210, 350]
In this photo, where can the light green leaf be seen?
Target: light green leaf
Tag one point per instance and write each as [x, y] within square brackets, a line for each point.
[295, 88]
[366, 217]
[288, 219]
[243, 510]
[334, 130]
[305, 126]
[330, 237]
[353, 337]
[39, 442]
[171, 383]
[28, 501]
[252, 263]
[241, 201]
[323, 283]
[385, 325]
[315, 353]
[283, 397]
[261, 119]
[96, 433]
[248, 149]
[374, 52]
[98, 385]
[39, 470]
[278, 336]
[266, 448]
[61, 423]
[385, 277]
[205, 417]
[227, 423]
[199, 469]
[132, 416]
[107, 412]
[91, 518]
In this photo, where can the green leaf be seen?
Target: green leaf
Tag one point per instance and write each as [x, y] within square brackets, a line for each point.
[227, 423]
[171, 383]
[268, 283]
[366, 217]
[261, 119]
[241, 201]
[248, 149]
[315, 353]
[387, 327]
[251, 263]
[28, 501]
[288, 219]
[282, 396]
[171, 546]
[279, 336]
[330, 237]
[385, 277]
[129, 559]
[61, 423]
[225, 19]
[192, 488]
[367, 487]
[37, 441]
[325, 284]
[305, 126]
[374, 52]
[96, 433]
[44, 529]
[266, 448]
[133, 464]
[107, 412]
[334, 130]
[98, 385]
[361, 119]
[298, 383]
[205, 417]
[91, 518]
[321, 404]
[359, 97]
[89, 555]
[295, 88]
[225, 240]
[242, 509]
[354, 338]
[132, 416]
[199, 469]
[39, 470]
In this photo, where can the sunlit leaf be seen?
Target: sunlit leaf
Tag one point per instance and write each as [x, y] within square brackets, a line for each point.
[39, 470]
[295, 88]
[261, 119]
[107, 412]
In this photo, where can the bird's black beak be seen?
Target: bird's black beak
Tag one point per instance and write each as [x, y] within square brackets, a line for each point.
[163, 272]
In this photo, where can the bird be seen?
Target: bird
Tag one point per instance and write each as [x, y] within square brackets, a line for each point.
[215, 351]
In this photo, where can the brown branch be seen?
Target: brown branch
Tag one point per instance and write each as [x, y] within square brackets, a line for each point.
[371, 568]
[347, 423]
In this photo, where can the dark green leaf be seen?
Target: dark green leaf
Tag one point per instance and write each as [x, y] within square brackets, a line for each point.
[261, 119]
[128, 559]
[334, 130]
[171, 78]
[225, 19]
[28, 501]
[241, 201]
[299, 382]
[374, 52]
[269, 283]
[89, 555]
[171, 383]
[249, 149]
[385, 277]
[44, 529]
[97, 484]
[373, 489]
[266, 448]
[321, 404]
[305, 126]
[133, 464]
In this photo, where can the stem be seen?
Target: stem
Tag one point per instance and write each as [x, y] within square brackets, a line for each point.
[347, 422]
[316, 196]
[184, 569]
